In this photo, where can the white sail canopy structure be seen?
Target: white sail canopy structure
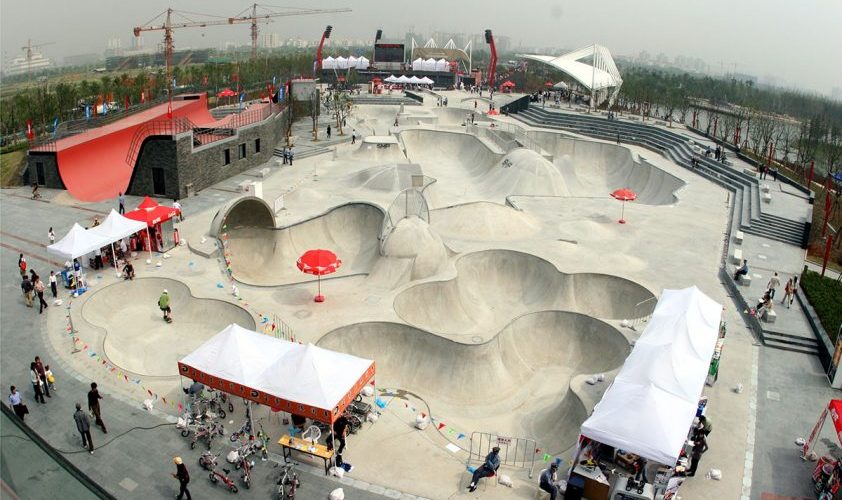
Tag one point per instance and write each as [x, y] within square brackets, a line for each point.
[601, 76]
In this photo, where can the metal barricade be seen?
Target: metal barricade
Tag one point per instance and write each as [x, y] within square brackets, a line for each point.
[642, 312]
[514, 451]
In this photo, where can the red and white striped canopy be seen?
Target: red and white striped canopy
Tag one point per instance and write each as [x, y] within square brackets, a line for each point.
[318, 262]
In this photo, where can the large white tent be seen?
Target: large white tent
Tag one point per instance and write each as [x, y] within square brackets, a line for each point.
[302, 379]
[363, 62]
[76, 243]
[650, 407]
[115, 227]
[418, 64]
[328, 63]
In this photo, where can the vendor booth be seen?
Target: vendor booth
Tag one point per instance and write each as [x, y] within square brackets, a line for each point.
[303, 380]
[77, 243]
[114, 228]
[630, 446]
[159, 219]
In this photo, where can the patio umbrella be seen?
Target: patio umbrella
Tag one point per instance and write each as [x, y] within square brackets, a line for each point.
[624, 195]
[548, 83]
[508, 83]
[318, 262]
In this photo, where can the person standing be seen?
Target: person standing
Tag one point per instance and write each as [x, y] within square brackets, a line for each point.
[340, 431]
[54, 284]
[93, 406]
[39, 292]
[487, 469]
[176, 205]
[787, 293]
[51, 379]
[183, 478]
[37, 385]
[121, 202]
[291, 156]
[22, 265]
[353, 136]
[16, 402]
[51, 236]
[26, 287]
[774, 282]
[98, 258]
[328, 132]
[83, 425]
[42, 373]
[699, 448]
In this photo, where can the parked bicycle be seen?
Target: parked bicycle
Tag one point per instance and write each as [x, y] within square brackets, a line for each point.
[288, 482]
[207, 432]
[208, 460]
[216, 476]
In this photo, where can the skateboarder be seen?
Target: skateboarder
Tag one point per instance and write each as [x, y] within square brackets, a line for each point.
[164, 305]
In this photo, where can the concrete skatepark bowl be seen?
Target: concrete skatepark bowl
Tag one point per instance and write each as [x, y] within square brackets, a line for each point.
[493, 286]
[138, 340]
[264, 255]
[480, 385]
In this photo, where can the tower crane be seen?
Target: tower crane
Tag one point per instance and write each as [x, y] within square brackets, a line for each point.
[252, 16]
[167, 22]
[28, 48]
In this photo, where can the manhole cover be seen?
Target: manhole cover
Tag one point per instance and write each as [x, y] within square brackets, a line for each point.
[303, 313]
[476, 339]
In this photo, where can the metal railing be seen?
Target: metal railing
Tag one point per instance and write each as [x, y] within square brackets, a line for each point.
[514, 451]
[163, 127]
[642, 313]
[409, 202]
[278, 328]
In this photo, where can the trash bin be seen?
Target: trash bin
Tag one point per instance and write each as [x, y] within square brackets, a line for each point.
[575, 488]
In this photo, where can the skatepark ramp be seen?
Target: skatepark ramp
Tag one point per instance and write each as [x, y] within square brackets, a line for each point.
[408, 203]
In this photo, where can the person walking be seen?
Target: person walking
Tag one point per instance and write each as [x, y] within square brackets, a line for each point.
[51, 236]
[164, 305]
[83, 425]
[54, 284]
[353, 136]
[328, 132]
[291, 156]
[774, 282]
[699, 448]
[487, 469]
[787, 293]
[42, 373]
[37, 385]
[22, 265]
[794, 291]
[39, 292]
[26, 288]
[93, 406]
[176, 205]
[16, 402]
[183, 478]
[121, 202]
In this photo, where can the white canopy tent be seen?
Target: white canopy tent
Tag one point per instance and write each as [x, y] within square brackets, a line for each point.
[650, 407]
[328, 63]
[363, 62]
[341, 62]
[429, 65]
[426, 81]
[414, 79]
[402, 79]
[442, 65]
[115, 227]
[391, 79]
[418, 64]
[302, 379]
[76, 243]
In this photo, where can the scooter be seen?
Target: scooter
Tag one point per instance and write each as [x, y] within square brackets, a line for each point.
[216, 476]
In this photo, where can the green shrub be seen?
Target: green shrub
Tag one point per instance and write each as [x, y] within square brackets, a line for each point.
[825, 296]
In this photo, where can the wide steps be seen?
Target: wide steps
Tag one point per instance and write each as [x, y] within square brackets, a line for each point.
[792, 343]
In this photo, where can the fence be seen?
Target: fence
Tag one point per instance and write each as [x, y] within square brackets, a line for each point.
[642, 313]
[278, 329]
[163, 127]
[409, 202]
[514, 451]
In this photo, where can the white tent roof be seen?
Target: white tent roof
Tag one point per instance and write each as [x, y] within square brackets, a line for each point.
[600, 74]
[649, 408]
[402, 79]
[414, 79]
[304, 374]
[426, 81]
[391, 79]
[116, 227]
[77, 242]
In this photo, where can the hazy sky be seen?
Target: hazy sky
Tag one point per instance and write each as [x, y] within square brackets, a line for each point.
[798, 42]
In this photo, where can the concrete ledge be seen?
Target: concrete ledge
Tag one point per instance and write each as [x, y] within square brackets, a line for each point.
[767, 197]
[744, 280]
[737, 256]
[738, 237]
[769, 316]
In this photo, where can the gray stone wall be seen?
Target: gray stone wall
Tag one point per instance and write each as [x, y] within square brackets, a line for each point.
[157, 152]
[52, 178]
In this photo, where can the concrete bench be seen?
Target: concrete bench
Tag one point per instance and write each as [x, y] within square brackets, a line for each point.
[767, 197]
[737, 256]
[738, 237]
[279, 162]
[264, 172]
[769, 316]
[750, 171]
[765, 188]
[744, 280]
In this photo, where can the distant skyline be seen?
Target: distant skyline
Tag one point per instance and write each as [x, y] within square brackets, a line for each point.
[793, 44]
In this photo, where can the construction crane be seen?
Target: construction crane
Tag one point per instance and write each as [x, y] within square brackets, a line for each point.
[167, 22]
[28, 48]
[252, 16]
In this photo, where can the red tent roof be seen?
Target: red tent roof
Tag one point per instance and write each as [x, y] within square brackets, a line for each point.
[152, 216]
[147, 203]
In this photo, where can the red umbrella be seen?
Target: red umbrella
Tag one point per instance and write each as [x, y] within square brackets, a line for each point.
[548, 84]
[624, 195]
[226, 93]
[319, 262]
[508, 83]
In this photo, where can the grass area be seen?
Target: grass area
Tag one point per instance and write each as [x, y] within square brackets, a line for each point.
[825, 296]
[10, 166]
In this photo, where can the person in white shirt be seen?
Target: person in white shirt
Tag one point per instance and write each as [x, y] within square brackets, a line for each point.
[176, 205]
[51, 236]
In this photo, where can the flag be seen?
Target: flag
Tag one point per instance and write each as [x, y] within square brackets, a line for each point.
[142, 97]
[273, 80]
[173, 83]
[87, 111]
[126, 102]
[104, 108]
[169, 108]
[55, 127]
[30, 133]
[242, 99]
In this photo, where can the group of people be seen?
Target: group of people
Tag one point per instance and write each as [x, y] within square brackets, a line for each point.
[287, 155]
[32, 286]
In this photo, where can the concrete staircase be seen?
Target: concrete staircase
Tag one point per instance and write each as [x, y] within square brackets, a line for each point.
[748, 214]
[793, 343]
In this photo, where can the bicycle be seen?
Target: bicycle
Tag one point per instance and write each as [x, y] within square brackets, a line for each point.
[208, 432]
[263, 439]
[208, 460]
[216, 476]
[245, 429]
[288, 483]
[246, 466]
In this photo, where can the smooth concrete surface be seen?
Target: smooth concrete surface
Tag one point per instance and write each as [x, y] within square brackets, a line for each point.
[494, 244]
